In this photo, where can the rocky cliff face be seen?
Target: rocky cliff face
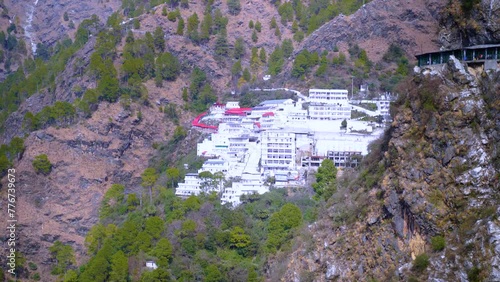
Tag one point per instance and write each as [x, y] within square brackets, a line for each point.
[479, 25]
[438, 167]
[42, 21]
[410, 24]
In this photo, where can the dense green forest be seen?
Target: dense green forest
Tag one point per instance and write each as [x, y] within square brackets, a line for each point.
[191, 239]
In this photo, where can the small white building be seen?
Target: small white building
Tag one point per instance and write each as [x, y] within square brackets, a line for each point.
[383, 107]
[250, 183]
[191, 186]
[215, 165]
[217, 109]
[151, 264]
[232, 105]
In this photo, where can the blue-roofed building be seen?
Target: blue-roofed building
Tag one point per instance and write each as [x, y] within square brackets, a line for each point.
[276, 103]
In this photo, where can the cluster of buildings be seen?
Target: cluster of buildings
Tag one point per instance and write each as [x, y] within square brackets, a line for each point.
[274, 143]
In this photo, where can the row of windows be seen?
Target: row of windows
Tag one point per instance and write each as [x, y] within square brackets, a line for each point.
[277, 162]
[271, 156]
[327, 97]
[269, 134]
[327, 93]
[330, 114]
[279, 151]
[237, 144]
[278, 145]
[330, 108]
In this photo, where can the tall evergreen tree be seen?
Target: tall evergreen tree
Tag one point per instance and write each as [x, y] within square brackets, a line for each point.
[159, 39]
[192, 28]
[239, 48]
[180, 27]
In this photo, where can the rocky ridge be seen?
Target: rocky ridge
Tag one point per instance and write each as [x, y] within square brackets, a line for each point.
[377, 24]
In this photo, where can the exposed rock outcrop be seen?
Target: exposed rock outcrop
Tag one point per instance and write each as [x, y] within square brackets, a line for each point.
[380, 23]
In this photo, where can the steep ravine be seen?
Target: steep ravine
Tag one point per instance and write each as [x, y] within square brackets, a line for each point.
[439, 178]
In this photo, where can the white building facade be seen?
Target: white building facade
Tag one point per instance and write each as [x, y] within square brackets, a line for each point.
[278, 150]
[329, 104]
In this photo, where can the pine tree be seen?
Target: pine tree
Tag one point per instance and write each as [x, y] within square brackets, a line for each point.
[168, 66]
[263, 55]
[220, 21]
[277, 32]
[239, 48]
[295, 27]
[221, 46]
[273, 23]
[246, 75]
[206, 27]
[254, 36]
[258, 26]
[192, 28]
[185, 95]
[119, 267]
[159, 39]
[287, 47]
[236, 68]
[180, 26]
[254, 60]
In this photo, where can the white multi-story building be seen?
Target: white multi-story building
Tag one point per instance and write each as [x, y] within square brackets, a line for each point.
[328, 104]
[191, 185]
[219, 143]
[239, 143]
[278, 150]
[267, 120]
[383, 107]
[250, 183]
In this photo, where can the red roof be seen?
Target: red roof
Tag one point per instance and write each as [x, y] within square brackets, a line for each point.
[196, 122]
[268, 114]
[238, 111]
[257, 124]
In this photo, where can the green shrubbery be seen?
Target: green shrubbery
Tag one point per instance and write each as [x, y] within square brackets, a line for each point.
[420, 263]
[42, 165]
[64, 256]
[438, 243]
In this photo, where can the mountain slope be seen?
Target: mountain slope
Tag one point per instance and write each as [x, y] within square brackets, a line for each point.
[409, 24]
[435, 192]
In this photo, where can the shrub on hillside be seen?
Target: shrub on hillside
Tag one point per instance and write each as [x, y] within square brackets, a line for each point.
[41, 164]
[438, 243]
[421, 262]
